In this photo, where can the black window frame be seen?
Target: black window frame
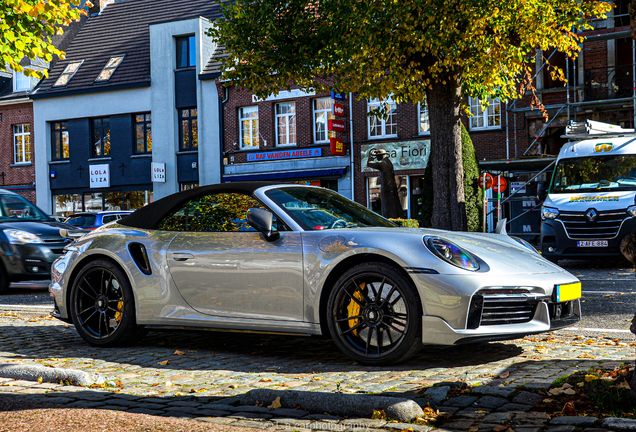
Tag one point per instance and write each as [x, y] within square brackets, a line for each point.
[190, 46]
[95, 128]
[57, 131]
[146, 125]
[183, 146]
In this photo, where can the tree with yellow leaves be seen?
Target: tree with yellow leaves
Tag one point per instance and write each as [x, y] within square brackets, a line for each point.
[27, 27]
[435, 50]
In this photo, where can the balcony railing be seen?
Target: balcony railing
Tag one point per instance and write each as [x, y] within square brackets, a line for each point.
[608, 83]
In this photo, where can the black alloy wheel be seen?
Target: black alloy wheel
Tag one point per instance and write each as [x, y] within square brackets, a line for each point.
[374, 314]
[102, 305]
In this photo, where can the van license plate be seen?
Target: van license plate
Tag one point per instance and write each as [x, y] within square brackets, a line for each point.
[592, 243]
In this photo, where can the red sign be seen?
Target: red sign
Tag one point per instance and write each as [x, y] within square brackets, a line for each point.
[338, 110]
[336, 125]
[485, 181]
[503, 184]
[337, 146]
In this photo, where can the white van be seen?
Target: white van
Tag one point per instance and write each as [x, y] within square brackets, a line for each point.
[590, 204]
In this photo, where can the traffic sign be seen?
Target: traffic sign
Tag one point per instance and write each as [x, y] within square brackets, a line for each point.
[485, 181]
[500, 184]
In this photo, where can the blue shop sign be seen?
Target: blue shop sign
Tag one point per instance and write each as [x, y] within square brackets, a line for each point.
[338, 96]
[284, 154]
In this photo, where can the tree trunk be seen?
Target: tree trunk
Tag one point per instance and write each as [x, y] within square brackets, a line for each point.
[444, 105]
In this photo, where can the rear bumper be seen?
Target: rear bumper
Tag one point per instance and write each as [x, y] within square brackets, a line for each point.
[436, 331]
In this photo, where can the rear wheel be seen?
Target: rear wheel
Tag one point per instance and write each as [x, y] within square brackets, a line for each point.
[4, 281]
[374, 314]
[103, 306]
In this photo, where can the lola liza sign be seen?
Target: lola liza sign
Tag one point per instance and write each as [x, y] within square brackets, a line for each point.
[99, 175]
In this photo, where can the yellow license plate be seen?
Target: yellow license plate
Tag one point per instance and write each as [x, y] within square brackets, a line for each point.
[568, 292]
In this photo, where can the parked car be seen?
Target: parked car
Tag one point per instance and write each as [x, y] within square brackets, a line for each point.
[29, 240]
[305, 260]
[58, 218]
[95, 220]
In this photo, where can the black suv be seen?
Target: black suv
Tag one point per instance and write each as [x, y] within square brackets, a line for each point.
[29, 240]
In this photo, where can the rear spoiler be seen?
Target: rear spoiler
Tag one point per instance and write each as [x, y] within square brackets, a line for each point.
[73, 234]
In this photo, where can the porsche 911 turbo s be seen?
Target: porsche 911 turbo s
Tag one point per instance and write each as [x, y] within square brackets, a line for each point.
[305, 260]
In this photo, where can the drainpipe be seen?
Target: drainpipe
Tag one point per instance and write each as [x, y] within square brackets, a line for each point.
[353, 186]
[222, 130]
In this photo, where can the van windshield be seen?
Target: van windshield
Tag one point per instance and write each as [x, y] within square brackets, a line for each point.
[595, 173]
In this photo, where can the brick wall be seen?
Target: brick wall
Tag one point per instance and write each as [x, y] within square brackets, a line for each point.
[15, 175]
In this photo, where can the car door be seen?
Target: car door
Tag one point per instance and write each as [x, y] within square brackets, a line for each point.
[223, 267]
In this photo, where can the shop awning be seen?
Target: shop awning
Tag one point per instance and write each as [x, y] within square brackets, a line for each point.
[320, 173]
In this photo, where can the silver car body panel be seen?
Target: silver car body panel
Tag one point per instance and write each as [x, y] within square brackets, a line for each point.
[242, 281]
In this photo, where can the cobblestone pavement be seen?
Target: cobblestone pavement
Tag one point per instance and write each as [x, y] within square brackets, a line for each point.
[602, 269]
[200, 375]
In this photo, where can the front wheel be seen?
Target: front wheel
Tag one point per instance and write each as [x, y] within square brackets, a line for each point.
[374, 314]
[102, 305]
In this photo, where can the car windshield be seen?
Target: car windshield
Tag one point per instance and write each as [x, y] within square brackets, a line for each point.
[16, 208]
[596, 173]
[317, 209]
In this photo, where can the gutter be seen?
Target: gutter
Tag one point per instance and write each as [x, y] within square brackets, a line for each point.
[15, 101]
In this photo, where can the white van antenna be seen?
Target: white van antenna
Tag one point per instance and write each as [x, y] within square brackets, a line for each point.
[591, 129]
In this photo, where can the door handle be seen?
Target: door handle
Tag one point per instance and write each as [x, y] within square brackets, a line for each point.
[182, 256]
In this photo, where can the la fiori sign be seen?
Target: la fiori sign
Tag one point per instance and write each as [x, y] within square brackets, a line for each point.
[158, 172]
[405, 155]
[99, 175]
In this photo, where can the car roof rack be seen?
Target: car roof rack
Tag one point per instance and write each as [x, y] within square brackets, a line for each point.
[593, 129]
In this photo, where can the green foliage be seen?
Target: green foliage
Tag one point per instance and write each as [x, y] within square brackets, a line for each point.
[407, 223]
[471, 188]
[27, 27]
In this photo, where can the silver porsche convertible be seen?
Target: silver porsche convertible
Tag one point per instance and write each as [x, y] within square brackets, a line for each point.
[304, 260]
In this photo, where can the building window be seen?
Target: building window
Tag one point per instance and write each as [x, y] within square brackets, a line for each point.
[101, 137]
[109, 69]
[425, 124]
[59, 141]
[143, 134]
[69, 72]
[248, 119]
[489, 118]
[286, 123]
[322, 113]
[188, 132]
[382, 127]
[186, 52]
[22, 143]
[21, 82]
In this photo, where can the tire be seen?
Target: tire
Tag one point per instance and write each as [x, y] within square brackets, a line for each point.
[4, 281]
[103, 306]
[374, 315]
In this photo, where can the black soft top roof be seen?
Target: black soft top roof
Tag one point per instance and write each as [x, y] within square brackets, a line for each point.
[149, 216]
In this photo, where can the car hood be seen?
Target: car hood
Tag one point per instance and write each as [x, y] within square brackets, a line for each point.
[50, 229]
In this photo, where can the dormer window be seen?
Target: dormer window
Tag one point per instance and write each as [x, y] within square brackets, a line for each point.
[21, 82]
[68, 73]
[109, 69]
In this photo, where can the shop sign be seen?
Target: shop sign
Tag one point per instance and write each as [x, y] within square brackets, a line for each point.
[338, 110]
[406, 155]
[337, 146]
[518, 187]
[99, 175]
[336, 125]
[158, 172]
[338, 96]
[284, 154]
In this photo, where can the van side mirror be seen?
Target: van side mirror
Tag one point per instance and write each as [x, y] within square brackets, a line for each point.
[262, 221]
[542, 190]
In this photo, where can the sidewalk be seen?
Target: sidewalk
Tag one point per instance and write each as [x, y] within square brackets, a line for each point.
[200, 377]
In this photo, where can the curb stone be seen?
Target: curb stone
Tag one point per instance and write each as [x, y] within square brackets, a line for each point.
[619, 424]
[50, 375]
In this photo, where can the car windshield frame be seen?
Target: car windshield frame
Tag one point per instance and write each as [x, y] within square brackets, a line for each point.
[310, 207]
[606, 173]
[16, 208]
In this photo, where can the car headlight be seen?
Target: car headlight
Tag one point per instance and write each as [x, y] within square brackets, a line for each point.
[549, 213]
[525, 244]
[21, 237]
[451, 253]
[632, 210]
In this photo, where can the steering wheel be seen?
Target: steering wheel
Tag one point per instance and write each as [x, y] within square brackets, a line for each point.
[338, 223]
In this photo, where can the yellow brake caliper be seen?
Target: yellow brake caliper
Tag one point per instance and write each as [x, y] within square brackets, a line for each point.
[120, 308]
[353, 309]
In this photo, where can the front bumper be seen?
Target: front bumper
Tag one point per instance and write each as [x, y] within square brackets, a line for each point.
[436, 331]
[32, 261]
[555, 243]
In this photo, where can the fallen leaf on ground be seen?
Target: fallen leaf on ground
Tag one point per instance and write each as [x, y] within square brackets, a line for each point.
[378, 415]
[266, 380]
[504, 375]
[177, 352]
[276, 404]
[586, 355]
[233, 386]
[166, 362]
[568, 409]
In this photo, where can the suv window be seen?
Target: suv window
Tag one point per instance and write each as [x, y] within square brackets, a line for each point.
[17, 208]
[213, 213]
[82, 221]
[110, 218]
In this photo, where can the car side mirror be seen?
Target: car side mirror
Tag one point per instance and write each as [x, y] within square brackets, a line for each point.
[262, 221]
[542, 190]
